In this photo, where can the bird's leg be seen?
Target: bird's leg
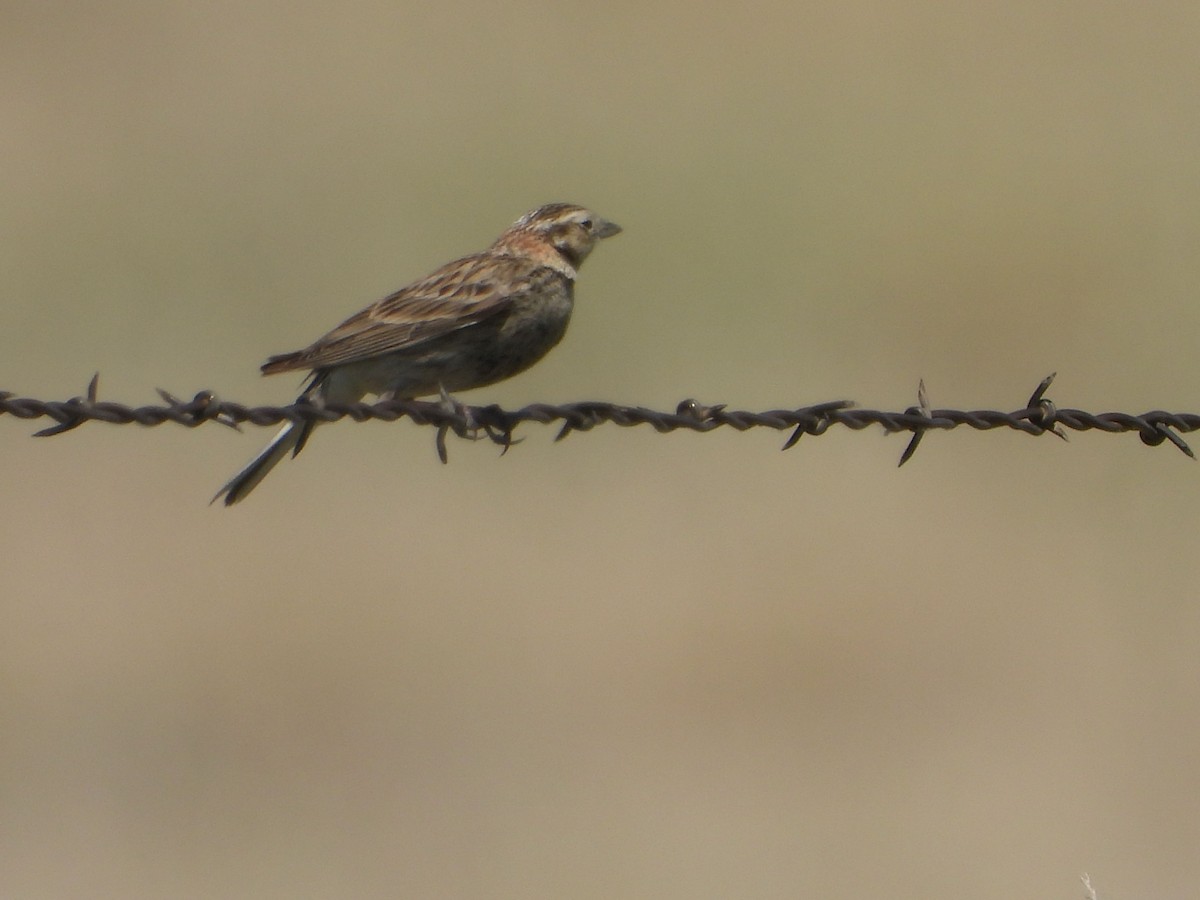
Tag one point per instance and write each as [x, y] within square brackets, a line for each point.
[469, 428]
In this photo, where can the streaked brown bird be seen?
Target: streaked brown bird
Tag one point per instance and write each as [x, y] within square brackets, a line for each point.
[471, 323]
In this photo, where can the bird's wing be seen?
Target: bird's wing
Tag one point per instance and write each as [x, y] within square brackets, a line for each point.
[458, 294]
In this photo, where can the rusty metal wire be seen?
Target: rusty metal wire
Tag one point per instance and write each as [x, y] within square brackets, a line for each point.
[1038, 416]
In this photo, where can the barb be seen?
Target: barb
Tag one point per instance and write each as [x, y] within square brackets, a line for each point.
[1039, 416]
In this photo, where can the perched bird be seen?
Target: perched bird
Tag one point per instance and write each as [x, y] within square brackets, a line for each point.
[473, 322]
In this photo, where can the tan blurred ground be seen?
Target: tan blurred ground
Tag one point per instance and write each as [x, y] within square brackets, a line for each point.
[627, 665]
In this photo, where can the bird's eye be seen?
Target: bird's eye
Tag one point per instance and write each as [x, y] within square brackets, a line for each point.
[587, 224]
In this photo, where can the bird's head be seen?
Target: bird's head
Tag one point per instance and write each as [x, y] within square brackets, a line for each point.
[569, 231]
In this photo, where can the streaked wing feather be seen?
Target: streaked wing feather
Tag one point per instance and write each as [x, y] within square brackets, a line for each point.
[460, 293]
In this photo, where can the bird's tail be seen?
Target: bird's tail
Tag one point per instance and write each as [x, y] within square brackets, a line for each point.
[292, 437]
[241, 484]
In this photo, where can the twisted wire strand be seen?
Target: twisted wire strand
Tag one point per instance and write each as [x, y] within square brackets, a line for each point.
[1038, 416]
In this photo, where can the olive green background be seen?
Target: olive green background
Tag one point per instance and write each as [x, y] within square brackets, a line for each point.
[626, 665]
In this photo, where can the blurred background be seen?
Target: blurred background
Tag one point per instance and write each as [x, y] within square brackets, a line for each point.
[626, 665]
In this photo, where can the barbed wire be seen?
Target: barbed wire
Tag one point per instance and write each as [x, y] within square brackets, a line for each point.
[1039, 416]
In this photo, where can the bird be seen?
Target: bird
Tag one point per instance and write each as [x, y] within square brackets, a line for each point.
[473, 322]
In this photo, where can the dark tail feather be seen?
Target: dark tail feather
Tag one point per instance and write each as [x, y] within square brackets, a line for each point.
[246, 480]
[290, 439]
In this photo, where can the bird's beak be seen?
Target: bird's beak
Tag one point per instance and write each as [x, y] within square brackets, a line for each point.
[605, 229]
